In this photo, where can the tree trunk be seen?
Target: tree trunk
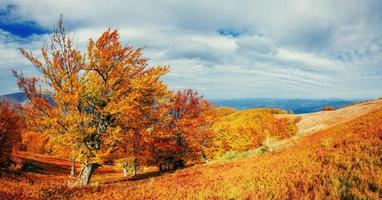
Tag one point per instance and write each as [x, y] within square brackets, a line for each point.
[125, 170]
[204, 155]
[134, 169]
[87, 173]
[73, 168]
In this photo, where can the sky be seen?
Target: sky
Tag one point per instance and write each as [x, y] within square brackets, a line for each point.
[224, 49]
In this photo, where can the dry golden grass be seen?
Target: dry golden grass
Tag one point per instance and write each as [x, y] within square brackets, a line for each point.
[313, 122]
[342, 162]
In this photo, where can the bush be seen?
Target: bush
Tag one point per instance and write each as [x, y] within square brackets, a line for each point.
[230, 155]
[297, 119]
[328, 108]
[269, 144]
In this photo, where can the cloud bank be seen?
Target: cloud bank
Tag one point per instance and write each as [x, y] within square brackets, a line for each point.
[224, 49]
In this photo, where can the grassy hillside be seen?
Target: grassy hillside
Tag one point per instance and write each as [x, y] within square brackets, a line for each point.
[313, 122]
[341, 161]
[344, 161]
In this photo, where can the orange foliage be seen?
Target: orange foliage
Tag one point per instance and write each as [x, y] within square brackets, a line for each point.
[96, 100]
[223, 111]
[328, 108]
[11, 125]
[247, 129]
[297, 119]
[35, 142]
[187, 131]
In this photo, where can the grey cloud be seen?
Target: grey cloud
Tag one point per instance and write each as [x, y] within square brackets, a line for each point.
[192, 50]
[289, 49]
[258, 44]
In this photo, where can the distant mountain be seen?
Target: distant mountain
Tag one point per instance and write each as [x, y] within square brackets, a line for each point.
[19, 97]
[297, 106]
[16, 97]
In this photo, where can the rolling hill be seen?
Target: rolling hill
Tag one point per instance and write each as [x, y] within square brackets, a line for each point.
[320, 120]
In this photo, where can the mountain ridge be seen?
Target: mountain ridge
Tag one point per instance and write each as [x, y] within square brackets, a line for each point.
[295, 105]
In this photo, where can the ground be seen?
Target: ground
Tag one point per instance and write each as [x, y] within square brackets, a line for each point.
[335, 155]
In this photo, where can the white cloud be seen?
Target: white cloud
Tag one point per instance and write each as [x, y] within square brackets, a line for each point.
[307, 59]
[306, 49]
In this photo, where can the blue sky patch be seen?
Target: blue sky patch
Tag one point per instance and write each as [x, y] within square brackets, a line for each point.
[20, 28]
[229, 32]
[23, 30]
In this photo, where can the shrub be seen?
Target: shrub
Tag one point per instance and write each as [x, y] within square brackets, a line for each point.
[328, 108]
[297, 119]
[230, 155]
[269, 144]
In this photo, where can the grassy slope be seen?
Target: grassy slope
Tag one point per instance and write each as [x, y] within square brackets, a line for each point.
[342, 161]
[313, 122]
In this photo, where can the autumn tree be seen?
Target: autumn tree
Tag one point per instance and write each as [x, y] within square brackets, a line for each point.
[140, 122]
[187, 131]
[11, 125]
[93, 95]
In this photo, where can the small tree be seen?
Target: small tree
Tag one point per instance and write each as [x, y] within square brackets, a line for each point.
[11, 126]
[187, 131]
[93, 96]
